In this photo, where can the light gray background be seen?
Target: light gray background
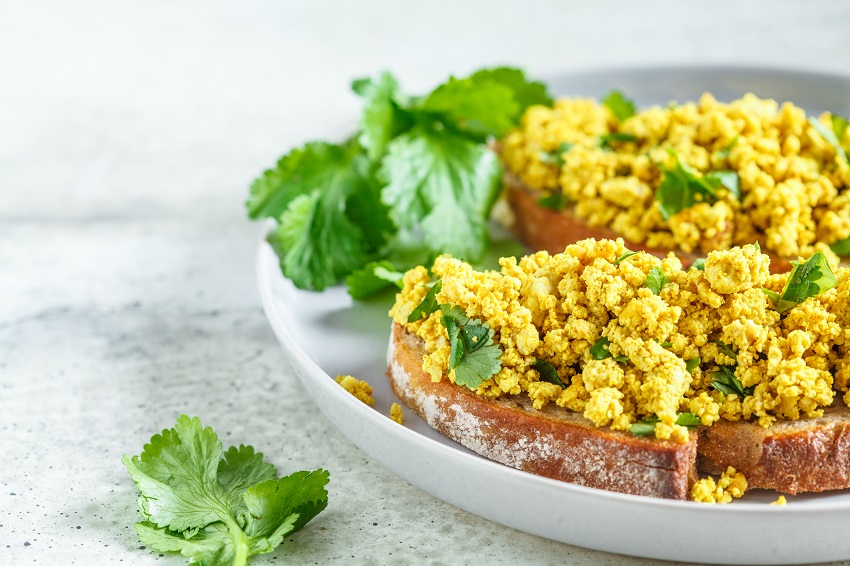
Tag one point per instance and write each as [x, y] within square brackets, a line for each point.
[129, 132]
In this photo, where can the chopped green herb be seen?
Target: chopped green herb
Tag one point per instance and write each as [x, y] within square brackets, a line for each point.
[726, 382]
[724, 153]
[841, 247]
[807, 279]
[555, 157]
[371, 278]
[624, 257]
[621, 106]
[215, 507]
[682, 187]
[698, 263]
[428, 304]
[555, 201]
[605, 140]
[599, 351]
[725, 349]
[646, 426]
[839, 126]
[692, 364]
[656, 280]
[548, 373]
[829, 135]
[664, 344]
[474, 356]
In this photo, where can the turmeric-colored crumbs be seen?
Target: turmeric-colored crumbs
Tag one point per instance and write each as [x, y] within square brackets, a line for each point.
[396, 414]
[794, 184]
[732, 484]
[666, 349]
[356, 387]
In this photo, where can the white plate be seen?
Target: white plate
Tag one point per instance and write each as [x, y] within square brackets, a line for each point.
[327, 334]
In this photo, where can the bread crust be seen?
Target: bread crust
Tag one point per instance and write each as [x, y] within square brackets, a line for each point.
[791, 456]
[542, 228]
[551, 442]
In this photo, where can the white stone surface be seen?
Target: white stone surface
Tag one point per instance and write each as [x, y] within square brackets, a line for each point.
[129, 132]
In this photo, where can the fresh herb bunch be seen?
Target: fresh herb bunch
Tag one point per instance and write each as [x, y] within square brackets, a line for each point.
[415, 181]
[217, 508]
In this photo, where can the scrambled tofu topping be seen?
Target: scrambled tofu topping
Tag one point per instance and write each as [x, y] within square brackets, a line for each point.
[794, 185]
[707, 342]
[732, 484]
[358, 388]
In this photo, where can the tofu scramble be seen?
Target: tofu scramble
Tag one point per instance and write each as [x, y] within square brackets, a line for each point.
[794, 184]
[666, 349]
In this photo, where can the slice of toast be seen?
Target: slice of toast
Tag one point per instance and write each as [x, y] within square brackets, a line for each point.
[790, 456]
[552, 442]
[542, 228]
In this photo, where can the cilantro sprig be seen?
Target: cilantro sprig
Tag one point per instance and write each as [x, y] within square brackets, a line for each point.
[417, 169]
[656, 279]
[683, 186]
[215, 507]
[807, 279]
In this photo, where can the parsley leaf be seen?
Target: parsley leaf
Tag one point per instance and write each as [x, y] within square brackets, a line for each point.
[646, 426]
[428, 304]
[382, 118]
[724, 380]
[624, 257]
[692, 364]
[807, 279]
[599, 351]
[216, 510]
[474, 356]
[829, 135]
[548, 373]
[682, 187]
[445, 185]
[605, 140]
[698, 263]
[371, 278]
[656, 280]
[621, 106]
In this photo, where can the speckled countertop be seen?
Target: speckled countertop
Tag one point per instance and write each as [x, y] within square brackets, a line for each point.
[128, 134]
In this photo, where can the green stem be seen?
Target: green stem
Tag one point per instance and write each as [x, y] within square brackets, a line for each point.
[240, 543]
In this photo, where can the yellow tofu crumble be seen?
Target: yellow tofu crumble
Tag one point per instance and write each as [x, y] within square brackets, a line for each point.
[358, 388]
[780, 501]
[396, 414]
[732, 484]
[665, 348]
[793, 182]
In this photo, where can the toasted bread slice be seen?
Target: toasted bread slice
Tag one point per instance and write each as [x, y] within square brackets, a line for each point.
[552, 442]
[790, 456]
[542, 228]
[807, 455]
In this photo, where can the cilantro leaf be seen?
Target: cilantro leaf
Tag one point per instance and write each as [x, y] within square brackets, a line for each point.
[698, 263]
[841, 247]
[724, 152]
[621, 106]
[371, 278]
[605, 140]
[692, 364]
[725, 381]
[656, 279]
[624, 257]
[428, 304]
[688, 420]
[445, 185]
[478, 107]
[829, 135]
[725, 349]
[839, 126]
[217, 508]
[807, 279]
[382, 118]
[474, 356]
[599, 351]
[682, 187]
[526, 93]
[548, 373]
[728, 179]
